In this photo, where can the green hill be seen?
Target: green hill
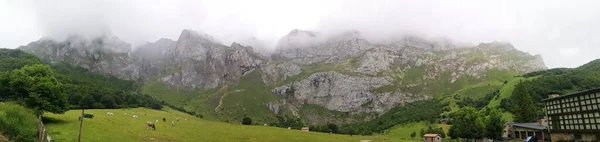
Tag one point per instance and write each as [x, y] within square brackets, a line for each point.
[123, 128]
[537, 85]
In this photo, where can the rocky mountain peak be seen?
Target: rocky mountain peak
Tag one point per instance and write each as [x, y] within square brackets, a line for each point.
[105, 54]
[188, 34]
[507, 46]
[297, 39]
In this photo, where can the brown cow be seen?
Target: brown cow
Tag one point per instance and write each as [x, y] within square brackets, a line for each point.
[150, 125]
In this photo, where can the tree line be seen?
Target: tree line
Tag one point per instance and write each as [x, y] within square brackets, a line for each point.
[529, 93]
[56, 88]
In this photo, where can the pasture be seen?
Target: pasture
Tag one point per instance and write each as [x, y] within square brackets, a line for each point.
[118, 127]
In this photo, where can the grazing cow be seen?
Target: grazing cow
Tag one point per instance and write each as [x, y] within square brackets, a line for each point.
[265, 125]
[110, 113]
[126, 114]
[135, 116]
[164, 120]
[150, 125]
[156, 121]
[172, 123]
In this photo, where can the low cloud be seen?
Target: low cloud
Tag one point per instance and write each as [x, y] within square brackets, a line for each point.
[537, 27]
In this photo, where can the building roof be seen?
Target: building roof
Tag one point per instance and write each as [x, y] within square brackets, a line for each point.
[431, 135]
[534, 125]
[595, 90]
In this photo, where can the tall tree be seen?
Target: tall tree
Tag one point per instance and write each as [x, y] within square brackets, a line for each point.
[467, 124]
[35, 87]
[494, 125]
[524, 108]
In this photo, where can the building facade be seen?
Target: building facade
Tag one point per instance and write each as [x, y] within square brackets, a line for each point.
[523, 130]
[574, 116]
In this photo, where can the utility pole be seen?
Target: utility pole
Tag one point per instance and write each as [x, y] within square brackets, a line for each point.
[80, 126]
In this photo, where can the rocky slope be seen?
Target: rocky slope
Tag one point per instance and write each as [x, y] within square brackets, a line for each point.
[340, 72]
[105, 55]
[373, 78]
[202, 62]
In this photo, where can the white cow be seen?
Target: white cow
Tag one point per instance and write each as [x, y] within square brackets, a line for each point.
[126, 114]
[156, 121]
[110, 113]
[135, 116]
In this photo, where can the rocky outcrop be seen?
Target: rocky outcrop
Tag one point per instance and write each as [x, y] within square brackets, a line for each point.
[275, 72]
[334, 91]
[105, 55]
[154, 58]
[314, 48]
[203, 62]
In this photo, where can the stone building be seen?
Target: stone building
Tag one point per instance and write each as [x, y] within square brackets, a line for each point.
[432, 138]
[574, 116]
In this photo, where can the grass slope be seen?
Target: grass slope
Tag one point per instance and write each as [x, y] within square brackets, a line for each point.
[125, 128]
[402, 132]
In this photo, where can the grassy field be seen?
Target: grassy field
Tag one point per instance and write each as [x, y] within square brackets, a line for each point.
[123, 128]
[401, 133]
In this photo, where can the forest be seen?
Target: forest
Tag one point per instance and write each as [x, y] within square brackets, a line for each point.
[82, 88]
[561, 80]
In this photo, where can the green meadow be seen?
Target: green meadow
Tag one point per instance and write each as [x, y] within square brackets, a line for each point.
[124, 128]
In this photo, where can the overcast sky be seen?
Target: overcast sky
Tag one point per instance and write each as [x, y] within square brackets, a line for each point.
[565, 33]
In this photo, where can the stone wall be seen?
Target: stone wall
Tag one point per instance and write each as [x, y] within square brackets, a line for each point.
[564, 137]
[588, 138]
[557, 137]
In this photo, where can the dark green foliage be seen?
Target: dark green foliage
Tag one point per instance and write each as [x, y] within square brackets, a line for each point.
[413, 134]
[246, 121]
[426, 110]
[17, 123]
[98, 91]
[35, 87]
[494, 124]
[422, 132]
[332, 128]
[11, 59]
[528, 94]
[284, 122]
[478, 103]
[467, 124]
[83, 88]
[554, 71]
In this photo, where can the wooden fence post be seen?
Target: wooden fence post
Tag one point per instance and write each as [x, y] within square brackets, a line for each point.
[80, 126]
[45, 134]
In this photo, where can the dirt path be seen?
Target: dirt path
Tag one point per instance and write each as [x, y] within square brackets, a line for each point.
[221, 99]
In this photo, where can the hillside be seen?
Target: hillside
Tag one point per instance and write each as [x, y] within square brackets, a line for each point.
[189, 128]
[537, 85]
[84, 88]
[312, 78]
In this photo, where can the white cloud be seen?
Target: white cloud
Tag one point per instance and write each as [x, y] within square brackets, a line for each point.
[539, 27]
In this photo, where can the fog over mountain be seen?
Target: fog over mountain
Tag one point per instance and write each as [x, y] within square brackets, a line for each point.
[563, 32]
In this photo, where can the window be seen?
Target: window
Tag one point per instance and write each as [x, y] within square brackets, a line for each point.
[587, 126]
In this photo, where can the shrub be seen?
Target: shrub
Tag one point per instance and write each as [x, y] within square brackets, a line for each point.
[246, 121]
[17, 123]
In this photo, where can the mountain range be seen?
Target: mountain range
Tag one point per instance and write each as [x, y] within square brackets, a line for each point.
[317, 78]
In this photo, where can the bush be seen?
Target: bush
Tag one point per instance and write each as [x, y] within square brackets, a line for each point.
[246, 121]
[17, 123]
